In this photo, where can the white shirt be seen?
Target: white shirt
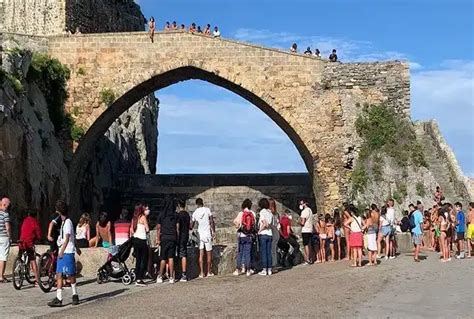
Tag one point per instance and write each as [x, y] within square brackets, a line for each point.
[81, 232]
[391, 215]
[67, 228]
[307, 214]
[216, 34]
[202, 215]
[266, 217]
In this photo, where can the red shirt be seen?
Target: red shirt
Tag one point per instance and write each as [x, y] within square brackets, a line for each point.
[30, 231]
[284, 223]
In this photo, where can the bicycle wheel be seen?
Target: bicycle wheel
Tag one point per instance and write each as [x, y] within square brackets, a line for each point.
[46, 272]
[29, 275]
[18, 268]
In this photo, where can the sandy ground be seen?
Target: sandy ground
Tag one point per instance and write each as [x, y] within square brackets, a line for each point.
[395, 289]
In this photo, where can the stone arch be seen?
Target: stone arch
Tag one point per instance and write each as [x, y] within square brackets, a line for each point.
[172, 75]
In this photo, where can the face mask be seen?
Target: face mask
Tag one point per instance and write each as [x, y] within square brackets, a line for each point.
[301, 207]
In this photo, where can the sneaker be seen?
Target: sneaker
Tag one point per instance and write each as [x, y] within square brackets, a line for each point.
[210, 274]
[183, 278]
[249, 273]
[171, 281]
[392, 257]
[201, 276]
[449, 259]
[140, 283]
[386, 257]
[269, 272]
[55, 303]
[263, 273]
[305, 263]
[75, 300]
[159, 280]
[252, 271]
[236, 272]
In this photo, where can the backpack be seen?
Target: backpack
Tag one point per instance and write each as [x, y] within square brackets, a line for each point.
[412, 220]
[248, 223]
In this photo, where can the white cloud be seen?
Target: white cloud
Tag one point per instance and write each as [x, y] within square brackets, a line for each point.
[347, 49]
[447, 95]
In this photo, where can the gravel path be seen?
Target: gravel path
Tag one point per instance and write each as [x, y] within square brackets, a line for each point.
[397, 288]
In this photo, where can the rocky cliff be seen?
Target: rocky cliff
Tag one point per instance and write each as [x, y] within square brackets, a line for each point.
[34, 152]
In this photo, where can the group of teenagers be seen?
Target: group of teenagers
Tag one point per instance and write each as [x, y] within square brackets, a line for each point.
[193, 28]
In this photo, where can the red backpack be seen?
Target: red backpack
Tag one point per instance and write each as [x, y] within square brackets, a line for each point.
[248, 223]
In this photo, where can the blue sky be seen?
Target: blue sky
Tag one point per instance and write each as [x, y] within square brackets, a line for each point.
[205, 129]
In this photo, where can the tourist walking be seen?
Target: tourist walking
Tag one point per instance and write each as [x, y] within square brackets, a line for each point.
[356, 239]
[83, 231]
[417, 233]
[184, 222]
[166, 239]
[138, 230]
[30, 233]
[245, 222]
[151, 29]
[275, 227]
[206, 230]
[66, 264]
[306, 223]
[265, 236]
[5, 236]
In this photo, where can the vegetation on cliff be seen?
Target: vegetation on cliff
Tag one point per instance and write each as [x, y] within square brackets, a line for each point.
[385, 134]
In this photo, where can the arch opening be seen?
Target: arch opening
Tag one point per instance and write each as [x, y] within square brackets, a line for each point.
[160, 81]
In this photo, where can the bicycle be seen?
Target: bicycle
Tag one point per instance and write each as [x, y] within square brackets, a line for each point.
[47, 270]
[21, 268]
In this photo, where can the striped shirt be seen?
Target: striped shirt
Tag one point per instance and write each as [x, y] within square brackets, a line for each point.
[4, 218]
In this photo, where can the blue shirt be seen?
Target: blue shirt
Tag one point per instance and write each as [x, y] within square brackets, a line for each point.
[418, 219]
[461, 227]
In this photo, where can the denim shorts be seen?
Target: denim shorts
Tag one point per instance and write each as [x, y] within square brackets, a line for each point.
[417, 239]
[66, 265]
[386, 230]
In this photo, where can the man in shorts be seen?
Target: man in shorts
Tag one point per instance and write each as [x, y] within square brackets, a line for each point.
[470, 229]
[206, 230]
[460, 229]
[306, 222]
[30, 233]
[5, 236]
[66, 264]
[166, 237]
[184, 221]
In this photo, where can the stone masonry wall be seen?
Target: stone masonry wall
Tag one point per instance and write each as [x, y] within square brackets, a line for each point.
[53, 17]
[291, 89]
[223, 194]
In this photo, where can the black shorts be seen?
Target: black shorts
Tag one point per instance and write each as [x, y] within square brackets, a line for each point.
[183, 248]
[82, 243]
[306, 238]
[167, 249]
[460, 236]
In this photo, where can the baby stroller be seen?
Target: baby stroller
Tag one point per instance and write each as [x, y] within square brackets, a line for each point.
[115, 266]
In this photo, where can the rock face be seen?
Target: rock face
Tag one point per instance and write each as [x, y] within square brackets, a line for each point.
[128, 147]
[32, 168]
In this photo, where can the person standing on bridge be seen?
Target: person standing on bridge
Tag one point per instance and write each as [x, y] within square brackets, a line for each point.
[206, 230]
[151, 29]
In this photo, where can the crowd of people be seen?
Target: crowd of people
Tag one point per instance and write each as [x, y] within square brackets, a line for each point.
[316, 53]
[193, 28]
[265, 239]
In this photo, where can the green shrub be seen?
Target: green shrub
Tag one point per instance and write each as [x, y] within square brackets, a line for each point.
[16, 84]
[359, 179]
[107, 96]
[77, 132]
[51, 77]
[420, 189]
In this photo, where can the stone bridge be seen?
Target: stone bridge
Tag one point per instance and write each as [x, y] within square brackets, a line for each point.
[313, 101]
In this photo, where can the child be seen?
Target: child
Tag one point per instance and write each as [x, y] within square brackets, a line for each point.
[330, 235]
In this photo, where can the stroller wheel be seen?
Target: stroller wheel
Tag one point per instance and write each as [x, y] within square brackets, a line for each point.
[126, 279]
[133, 275]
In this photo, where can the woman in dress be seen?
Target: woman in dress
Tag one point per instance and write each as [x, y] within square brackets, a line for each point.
[83, 231]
